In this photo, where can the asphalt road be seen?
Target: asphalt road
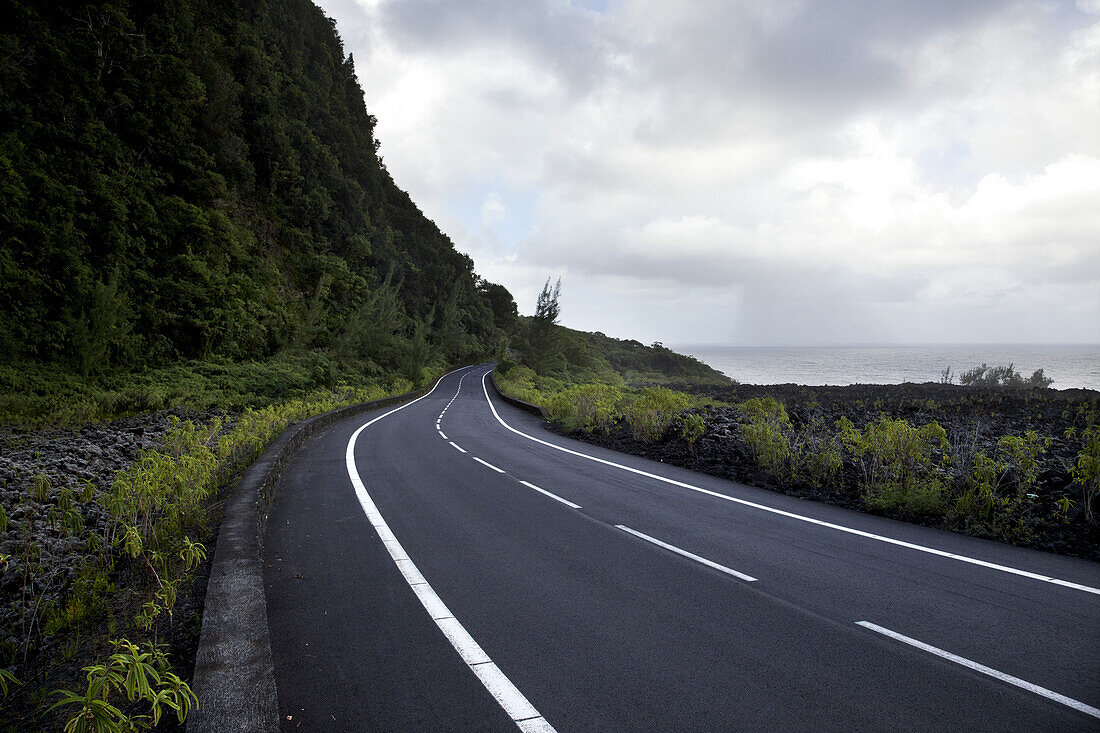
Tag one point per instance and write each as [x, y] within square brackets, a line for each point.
[420, 580]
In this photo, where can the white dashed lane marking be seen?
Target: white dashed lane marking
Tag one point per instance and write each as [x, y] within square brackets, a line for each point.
[996, 674]
[689, 555]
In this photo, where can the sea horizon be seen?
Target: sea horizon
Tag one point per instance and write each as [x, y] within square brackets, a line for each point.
[1070, 365]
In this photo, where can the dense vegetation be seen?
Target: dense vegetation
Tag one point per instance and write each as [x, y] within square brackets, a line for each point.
[199, 183]
[193, 212]
[1020, 466]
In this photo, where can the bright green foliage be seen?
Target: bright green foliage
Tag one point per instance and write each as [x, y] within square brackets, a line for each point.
[523, 383]
[766, 431]
[6, 679]
[1023, 452]
[986, 505]
[586, 406]
[161, 494]
[817, 453]
[40, 488]
[136, 672]
[692, 427]
[997, 497]
[1086, 471]
[901, 465]
[652, 412]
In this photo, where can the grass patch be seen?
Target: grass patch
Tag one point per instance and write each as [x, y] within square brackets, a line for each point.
[38, 395]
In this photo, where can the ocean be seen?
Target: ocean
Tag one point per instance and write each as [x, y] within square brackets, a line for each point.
[1069, 365]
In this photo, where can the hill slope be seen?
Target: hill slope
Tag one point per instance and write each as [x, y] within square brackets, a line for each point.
[200, 180]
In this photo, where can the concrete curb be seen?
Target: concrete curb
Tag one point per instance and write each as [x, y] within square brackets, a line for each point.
[234, 673]
[537, 410]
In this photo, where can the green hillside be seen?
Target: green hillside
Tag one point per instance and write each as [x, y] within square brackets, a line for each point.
[198, 182]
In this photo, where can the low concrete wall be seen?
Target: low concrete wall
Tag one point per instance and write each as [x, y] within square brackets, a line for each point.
[234, 673]
[527, 406]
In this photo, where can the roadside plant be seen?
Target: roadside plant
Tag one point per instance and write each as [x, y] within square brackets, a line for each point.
[1064, 506]
[1086, 471]
[692, 427]
[652, 412]
[998, 498]
[1023, 453]
[766, 431]
[901, 465]
[817, 453]
[7, 679]
[40, 488]
[133, 671]
[586, 406]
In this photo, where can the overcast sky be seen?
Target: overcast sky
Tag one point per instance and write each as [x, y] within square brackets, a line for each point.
[789, 172]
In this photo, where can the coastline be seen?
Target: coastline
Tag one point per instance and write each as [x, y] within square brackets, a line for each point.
[1072, 366]
[974, 421]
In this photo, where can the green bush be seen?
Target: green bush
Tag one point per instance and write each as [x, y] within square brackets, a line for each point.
[993, 502]
[653, 410]
[767, 432]
[817, 454]
[586, 406]
[898, 464]
[1086, 471]
[692, 427]
[1004, 376]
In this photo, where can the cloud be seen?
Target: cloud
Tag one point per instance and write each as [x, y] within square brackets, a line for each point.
[493, 211]
[872, 170]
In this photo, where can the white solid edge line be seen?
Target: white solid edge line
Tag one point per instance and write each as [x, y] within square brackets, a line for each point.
[792, 515]
[1023, 684]
[685, 553]
[487, 464]
[552, 496]
[514, 703]
[457, 446]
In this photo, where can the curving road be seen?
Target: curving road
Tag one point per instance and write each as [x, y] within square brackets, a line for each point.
[450, 565]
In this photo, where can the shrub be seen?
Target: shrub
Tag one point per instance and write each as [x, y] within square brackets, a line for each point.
[992, 502]
[817, 454]
[692, 427]
[898, 464]
[1086, 471]
[766, 433]
[586, 406]
[652, 412]
[1003, 376]
[1022, 452]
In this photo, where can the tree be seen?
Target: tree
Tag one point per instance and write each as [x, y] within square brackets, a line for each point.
[547, 309]
[544, 348]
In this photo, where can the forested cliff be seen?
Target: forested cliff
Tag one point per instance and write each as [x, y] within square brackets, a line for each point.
[200, 179]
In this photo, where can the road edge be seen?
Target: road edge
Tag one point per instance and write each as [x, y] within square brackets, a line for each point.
[234, 676]
[536, 410]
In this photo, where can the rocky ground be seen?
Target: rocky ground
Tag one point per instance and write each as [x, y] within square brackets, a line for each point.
[974, 419]
[42, 475]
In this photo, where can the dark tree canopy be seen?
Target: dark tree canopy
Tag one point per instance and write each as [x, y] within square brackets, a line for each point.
[195, 179]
